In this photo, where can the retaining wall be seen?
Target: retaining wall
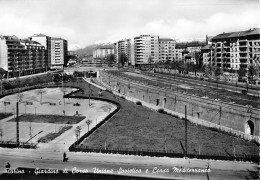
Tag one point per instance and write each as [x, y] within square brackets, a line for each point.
[205, 111]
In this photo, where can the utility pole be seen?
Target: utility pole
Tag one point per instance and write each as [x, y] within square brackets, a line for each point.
[186, 133]
[17, 125]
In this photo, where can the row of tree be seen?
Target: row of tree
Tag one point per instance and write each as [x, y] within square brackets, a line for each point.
[37, 79]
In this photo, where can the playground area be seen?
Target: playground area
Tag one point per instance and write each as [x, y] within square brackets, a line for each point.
[45, 111]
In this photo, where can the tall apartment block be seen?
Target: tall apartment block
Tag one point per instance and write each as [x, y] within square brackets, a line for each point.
[146, 48]
[236, 49]
[166, 49]
[122, 51]
[56, 50]
[103, 52]
[21, 57]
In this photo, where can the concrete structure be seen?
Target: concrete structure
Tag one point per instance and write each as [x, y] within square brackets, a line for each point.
[190, 58]
[103, 52]
[212, 113]
[236, 49]
[3, 54]
[183, 48]
[56, 50]
[122, 51]
[36, 60]
[167, 49]
[21, 57]
[146, 49]
[207, 54]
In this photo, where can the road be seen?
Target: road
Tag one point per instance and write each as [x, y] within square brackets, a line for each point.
[44, 159]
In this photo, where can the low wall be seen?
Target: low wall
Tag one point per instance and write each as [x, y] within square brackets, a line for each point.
[205, 111]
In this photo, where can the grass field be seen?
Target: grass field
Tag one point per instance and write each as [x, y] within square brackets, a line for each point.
[57, 119]
[49, 137]
[136, 127]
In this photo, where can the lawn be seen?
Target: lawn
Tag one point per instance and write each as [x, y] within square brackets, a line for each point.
[136, 127]
[49, 137]
[57, 119]
[5, 115]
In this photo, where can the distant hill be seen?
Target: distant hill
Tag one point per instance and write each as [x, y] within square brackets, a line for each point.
[88, 50]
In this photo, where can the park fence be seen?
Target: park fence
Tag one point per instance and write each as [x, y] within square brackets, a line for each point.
[12, 144]
[163, 153]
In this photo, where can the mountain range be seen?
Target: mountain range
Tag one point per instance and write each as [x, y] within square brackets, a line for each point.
[88, 50]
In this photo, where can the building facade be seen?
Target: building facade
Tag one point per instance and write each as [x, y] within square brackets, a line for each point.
[56, 50]
[207, 54]
[21, 57]
[146, 49]
[167, 49]
[122, 51]
[236, 49]
[103, 52]
[184, 48]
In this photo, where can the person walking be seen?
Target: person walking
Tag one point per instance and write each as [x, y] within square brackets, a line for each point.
[8, 166]
[64, 157]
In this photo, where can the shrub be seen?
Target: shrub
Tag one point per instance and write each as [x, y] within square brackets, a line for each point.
[138, 103]
[107, 90]
[176, 116]
[161, 111]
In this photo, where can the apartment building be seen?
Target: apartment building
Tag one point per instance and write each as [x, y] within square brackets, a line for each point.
[21, 57]
[207, 54]
[56, 50]
[122, 51]
[36, 61]
[236, 49]
[146, 49]
[167, 49]
[184, 48]
[3, 54]
[103, 52]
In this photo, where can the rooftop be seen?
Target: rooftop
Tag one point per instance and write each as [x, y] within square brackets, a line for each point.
[255, 31]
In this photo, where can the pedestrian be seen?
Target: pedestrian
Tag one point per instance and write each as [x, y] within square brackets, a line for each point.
[7, 166]
[64, 156]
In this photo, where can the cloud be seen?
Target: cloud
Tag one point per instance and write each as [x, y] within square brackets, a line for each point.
[90, 21]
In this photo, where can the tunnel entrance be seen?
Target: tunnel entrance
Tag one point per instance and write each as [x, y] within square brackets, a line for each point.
[249, 128]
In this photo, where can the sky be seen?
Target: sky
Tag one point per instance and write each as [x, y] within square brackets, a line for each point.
[86, 22]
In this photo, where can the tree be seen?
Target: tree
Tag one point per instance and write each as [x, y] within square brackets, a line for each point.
[109, 60]
[217, 71]
[150, 62]
[199, 59]
[209, 69]
[57, 78]
[88, 123]
[241, 72]
[251, 71]
[122, 60]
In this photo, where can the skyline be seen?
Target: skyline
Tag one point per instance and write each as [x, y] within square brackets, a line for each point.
[89, 22]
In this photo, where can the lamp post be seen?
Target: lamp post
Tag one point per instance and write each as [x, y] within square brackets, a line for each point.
[24, 108]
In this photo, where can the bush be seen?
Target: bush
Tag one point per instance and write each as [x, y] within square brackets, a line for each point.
[138, 103]
[244, 91]
[176, 116]
[161, 111]
[107, 90]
